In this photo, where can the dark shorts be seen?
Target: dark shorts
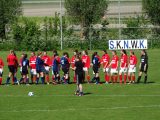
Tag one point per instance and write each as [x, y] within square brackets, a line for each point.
[11, 68]
[55, 73]
[142, 69]
[65, 70]
[24, 71]
[80, 77]
[40, 70]
[95, 69]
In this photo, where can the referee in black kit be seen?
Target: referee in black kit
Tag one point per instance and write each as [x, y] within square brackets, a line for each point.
[79, 75]
[143, 67]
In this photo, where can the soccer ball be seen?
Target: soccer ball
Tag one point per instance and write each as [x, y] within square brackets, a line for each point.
[30, 94]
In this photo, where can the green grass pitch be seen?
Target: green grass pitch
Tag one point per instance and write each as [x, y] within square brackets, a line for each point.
[101, 102]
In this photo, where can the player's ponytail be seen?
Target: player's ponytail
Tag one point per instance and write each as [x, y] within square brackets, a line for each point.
[25, 56]
[132, 52]
[114, 52]
[86, 52]
[78, 57]
[105, 51]
[124, 52]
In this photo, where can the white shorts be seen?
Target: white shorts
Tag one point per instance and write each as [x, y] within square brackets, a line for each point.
[85, 69]
[33, 72]
[1, 70]
[123, 70]
[132, 69]
[47, 68]
[113, 71]
[20, 69]
[105, 70]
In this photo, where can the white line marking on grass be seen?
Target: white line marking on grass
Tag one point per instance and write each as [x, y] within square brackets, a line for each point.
[79, 97]
[76, 109]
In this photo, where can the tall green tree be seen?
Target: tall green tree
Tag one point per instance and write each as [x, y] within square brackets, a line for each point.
[86, 12]
[9, 11]
[152, 8]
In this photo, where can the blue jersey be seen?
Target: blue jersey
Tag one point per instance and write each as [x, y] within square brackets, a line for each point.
[39, 64]
[55, 65]
[64, 62]
[96, 61]
[25, 64]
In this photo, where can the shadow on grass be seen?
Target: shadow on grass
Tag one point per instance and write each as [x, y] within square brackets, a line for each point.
[87, 93]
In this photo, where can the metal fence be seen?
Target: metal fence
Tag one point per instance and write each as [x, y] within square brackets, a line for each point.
[123, 17]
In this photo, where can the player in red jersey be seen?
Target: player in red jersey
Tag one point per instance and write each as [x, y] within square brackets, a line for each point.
[123, 66]
[11, 60]
[32, 64]
[86, 62]
[16, 65]
[73, 63]
[1, 70]
[55, 67]
[47, 65]
[132, 67]
[105, 62]
[114, 67]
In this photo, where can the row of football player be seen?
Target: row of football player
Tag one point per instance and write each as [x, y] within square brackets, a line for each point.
[41, 63]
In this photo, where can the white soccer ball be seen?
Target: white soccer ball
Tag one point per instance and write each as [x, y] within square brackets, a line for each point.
[30, 94]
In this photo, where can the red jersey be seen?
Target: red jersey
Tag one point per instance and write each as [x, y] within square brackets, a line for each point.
[124, 61]
[11, 59]
[1, 63]
[114, 62]
[20, 61]
[132, 60]
[32, 62]
[16, 62]
[73, 61]
[86, 61]
[47, 60]
[105, 60]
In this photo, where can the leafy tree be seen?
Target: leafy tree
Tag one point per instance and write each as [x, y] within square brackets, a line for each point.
[86, 12]
[152, 8]
[18, 33]
[9, 10]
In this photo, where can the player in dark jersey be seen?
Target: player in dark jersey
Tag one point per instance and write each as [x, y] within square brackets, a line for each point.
[55, 69]
[65, 63]
[96, 65]
[40, 68]
[25, 66]
[143, 67]
[78, 67]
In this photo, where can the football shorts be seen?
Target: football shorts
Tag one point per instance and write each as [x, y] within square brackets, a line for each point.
[1, 72]
[20, 69]
[142, 69]
[85, 69]
[95, 69]
[105, 70]
[132, 69]
[33, 72]
[114, 71]
[123, 70]
[11, 69]
[65, 70]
